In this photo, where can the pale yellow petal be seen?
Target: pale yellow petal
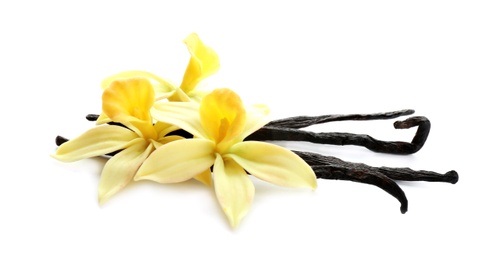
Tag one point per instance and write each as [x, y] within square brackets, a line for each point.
[184, 115]
[163, 128]
[169, 139]
[273, 163]
[234, 189]
[103, 119]
[177, 161]
[179, 95]
[222, 115]
[257, 117]
[162, 86]
[95, 142]
[120, 169]
[204, 62]
[205, 177]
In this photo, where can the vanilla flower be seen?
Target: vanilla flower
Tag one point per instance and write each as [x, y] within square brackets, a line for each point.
[127, 102]
[220, 124]
[203, 63]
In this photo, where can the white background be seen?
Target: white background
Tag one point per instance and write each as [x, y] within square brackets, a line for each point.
[299, 58]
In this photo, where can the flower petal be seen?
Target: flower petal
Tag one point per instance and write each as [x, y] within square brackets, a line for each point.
[95, 142]
[131, 97]
[182, 114]
[179, 95]
[273, 163]
[204, 62]
[129, 101]
[204, 177]
[177, 161]
[222, 115]
[257, 117]
[234, 189]
[120, 169]
[161, 87]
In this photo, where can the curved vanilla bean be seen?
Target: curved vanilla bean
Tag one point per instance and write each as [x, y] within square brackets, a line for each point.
[305, 121]
[328, 167]
[268, 133]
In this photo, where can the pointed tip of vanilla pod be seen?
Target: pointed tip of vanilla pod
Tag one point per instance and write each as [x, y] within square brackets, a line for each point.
[60, 140]
[404, 207]
[92, 117]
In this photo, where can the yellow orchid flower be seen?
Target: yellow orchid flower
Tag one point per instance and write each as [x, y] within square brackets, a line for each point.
[128, 102]
[219, 124]
[203, 63]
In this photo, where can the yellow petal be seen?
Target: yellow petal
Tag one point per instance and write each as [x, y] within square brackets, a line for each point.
[129, 101]
[161, 87]
[274, 164]
[234, 189]
[120, 169]
[103, 119]
[163, 128]
[132, 98]
[204, 62]
[204, 177]
[177, 161]
[222, 115]
[95, 142]
[257, 117]
[179, 95]
[184, 115]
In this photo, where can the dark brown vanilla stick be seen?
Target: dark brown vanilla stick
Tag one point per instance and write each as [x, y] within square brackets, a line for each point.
[305, 121]
[274, 131]
[270, 133]
[328, 167]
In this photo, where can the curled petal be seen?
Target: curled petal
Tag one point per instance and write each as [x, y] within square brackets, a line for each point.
[177, 161]
[204, 62]
[120, 169]
[95, 142]
[273, 163]
[234, 189]
[162, 88]
[184, 115]
[222, 115]
[129, 101]
[130, 98]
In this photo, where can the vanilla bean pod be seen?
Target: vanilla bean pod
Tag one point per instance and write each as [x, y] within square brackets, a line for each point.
[328, 167]
[305, 121]
[270, 133]
[286, 130]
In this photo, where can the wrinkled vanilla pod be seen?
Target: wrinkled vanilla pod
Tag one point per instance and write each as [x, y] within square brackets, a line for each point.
[305, 121]
[328, 167]
[286, 130]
